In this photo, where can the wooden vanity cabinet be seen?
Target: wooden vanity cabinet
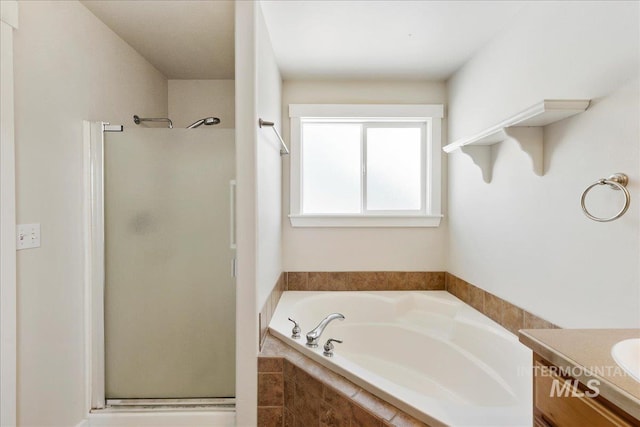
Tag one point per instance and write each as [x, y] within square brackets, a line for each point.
[560, 401]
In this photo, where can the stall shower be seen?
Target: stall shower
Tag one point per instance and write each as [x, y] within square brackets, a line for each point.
[169, 291]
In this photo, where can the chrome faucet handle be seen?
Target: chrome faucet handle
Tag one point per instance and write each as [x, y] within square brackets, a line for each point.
[295, 332]
[328, 347]
[314, 336]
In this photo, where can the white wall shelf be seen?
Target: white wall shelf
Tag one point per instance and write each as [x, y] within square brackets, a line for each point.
[525, 128]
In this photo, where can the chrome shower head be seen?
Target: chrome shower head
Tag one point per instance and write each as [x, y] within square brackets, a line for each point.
[207, 121]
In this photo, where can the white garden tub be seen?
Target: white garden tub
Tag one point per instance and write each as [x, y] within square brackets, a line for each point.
[426, 352]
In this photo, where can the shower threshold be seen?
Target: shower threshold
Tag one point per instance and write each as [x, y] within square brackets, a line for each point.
[144, 405]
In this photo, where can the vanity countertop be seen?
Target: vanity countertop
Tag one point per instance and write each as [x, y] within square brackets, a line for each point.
[584, 350]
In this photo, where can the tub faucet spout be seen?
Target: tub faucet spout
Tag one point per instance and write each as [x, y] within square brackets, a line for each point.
[314, 335]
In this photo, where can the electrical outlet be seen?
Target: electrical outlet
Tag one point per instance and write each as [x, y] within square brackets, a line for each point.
[28, 236]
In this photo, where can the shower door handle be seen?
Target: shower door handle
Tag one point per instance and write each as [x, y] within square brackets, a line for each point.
[232, 212]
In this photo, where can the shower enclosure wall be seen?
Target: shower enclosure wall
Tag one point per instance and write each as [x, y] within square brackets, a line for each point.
[162, 287]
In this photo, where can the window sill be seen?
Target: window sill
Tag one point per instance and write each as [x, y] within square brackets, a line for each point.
[365, 221]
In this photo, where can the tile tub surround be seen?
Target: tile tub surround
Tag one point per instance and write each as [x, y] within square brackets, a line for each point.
[295, 391]
[509, 316]
[366, 281]
[266, 313]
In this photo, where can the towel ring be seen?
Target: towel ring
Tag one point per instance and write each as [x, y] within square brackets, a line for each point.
[616, 181]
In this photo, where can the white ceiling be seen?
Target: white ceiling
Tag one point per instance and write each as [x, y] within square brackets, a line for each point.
[312, 39]
[381, 39]
[182, 39]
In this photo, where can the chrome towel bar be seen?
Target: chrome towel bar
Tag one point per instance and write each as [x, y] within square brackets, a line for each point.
[137, 120]
[617, 181]
[284, 150]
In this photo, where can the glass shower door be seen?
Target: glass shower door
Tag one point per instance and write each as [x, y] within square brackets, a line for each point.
[169, 290]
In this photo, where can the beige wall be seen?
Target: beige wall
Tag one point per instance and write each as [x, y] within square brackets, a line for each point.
[191, 100]
[258, 169]
[246, 317]
[358, 249]
[69, 67]
[268, 167]
[524, 237]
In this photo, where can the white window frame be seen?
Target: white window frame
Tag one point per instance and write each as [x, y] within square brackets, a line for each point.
[429, 114]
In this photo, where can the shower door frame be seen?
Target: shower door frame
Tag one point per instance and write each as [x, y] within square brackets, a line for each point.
[93, 225]
[94, 282]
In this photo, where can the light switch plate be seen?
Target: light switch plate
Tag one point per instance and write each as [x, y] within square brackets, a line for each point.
[28, 236]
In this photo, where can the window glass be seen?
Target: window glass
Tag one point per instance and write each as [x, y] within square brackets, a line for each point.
[331, 168]
[393, 169]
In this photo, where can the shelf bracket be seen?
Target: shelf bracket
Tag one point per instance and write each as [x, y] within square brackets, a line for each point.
[481, 157]
[531, 141]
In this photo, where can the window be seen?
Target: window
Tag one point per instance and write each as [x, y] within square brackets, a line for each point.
[365, 165]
